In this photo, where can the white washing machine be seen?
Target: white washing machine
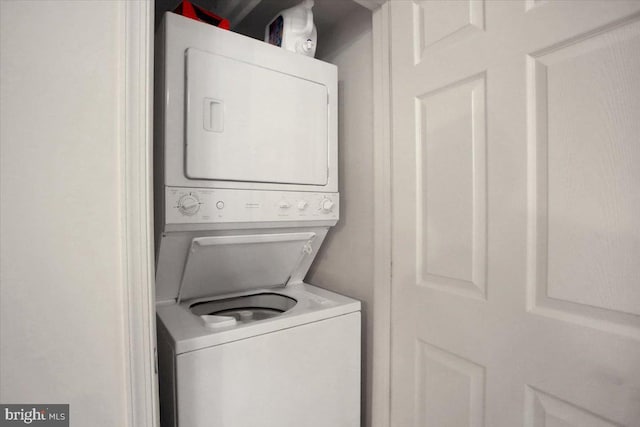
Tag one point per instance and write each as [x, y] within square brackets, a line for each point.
[246, 190]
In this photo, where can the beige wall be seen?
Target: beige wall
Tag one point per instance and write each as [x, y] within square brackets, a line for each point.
[345, 262]
[61, 284]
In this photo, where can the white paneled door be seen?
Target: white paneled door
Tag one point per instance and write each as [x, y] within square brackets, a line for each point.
[516, 213]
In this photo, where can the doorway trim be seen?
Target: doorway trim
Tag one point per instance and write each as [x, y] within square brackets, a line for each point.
[137, 214]
[381, 381]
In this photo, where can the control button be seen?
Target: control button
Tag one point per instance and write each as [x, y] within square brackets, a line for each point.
[220, 204]
[284, 205]
[326, 205]
[302, 205]
[188, 204]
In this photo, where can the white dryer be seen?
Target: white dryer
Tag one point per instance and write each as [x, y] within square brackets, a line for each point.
[246, 190]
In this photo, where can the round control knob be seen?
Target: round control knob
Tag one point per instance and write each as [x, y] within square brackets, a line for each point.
[326, 205]
[188, 204]
[302, 205]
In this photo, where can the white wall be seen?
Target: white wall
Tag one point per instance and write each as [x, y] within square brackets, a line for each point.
[61, 284]
[345, 262]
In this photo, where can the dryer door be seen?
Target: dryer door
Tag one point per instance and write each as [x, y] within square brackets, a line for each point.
[253, 124]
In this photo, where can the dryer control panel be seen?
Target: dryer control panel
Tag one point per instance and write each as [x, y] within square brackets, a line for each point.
[208, 205]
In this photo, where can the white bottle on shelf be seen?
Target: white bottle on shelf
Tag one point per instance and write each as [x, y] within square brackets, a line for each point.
[293, 29]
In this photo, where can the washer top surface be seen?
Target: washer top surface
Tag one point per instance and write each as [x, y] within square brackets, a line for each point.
[256, 312]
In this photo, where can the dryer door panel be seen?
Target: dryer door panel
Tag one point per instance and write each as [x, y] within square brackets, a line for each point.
[248, 123]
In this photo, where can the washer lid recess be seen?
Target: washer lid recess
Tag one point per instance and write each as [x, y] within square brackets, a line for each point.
[219, 265]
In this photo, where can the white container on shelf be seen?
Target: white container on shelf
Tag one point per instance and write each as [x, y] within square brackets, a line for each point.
[293, 29]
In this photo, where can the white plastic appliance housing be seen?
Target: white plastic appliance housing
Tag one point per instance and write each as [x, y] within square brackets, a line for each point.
[293, 29]
[246, 184]
[301, 368]
[233, 112]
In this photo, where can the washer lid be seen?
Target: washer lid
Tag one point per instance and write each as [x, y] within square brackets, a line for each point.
[219, 265]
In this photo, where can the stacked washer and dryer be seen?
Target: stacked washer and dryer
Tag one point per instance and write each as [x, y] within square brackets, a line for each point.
[246, 189]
